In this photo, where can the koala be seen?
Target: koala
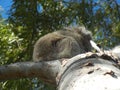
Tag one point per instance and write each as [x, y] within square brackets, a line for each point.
[65, 43]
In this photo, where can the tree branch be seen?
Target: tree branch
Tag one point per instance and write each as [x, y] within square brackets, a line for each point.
[46, 71]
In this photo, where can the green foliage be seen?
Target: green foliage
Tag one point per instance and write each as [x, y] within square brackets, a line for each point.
[21, 84]
[10, 45]
[116, 30]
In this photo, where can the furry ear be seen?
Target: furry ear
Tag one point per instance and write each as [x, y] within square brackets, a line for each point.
[55, 41]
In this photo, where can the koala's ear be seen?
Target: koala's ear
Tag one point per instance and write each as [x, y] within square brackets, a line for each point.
[56, 41]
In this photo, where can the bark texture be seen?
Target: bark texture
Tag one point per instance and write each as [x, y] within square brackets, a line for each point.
[47, 71]
[91, 74]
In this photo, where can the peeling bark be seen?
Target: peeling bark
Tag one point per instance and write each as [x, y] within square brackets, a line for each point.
[91, 74]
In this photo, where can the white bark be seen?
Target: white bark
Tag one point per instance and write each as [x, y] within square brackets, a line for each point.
[91, 74]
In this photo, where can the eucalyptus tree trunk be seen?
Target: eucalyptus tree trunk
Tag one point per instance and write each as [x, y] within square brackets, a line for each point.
[90, 74]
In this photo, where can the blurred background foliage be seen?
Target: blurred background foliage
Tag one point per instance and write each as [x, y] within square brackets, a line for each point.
[30, 19]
